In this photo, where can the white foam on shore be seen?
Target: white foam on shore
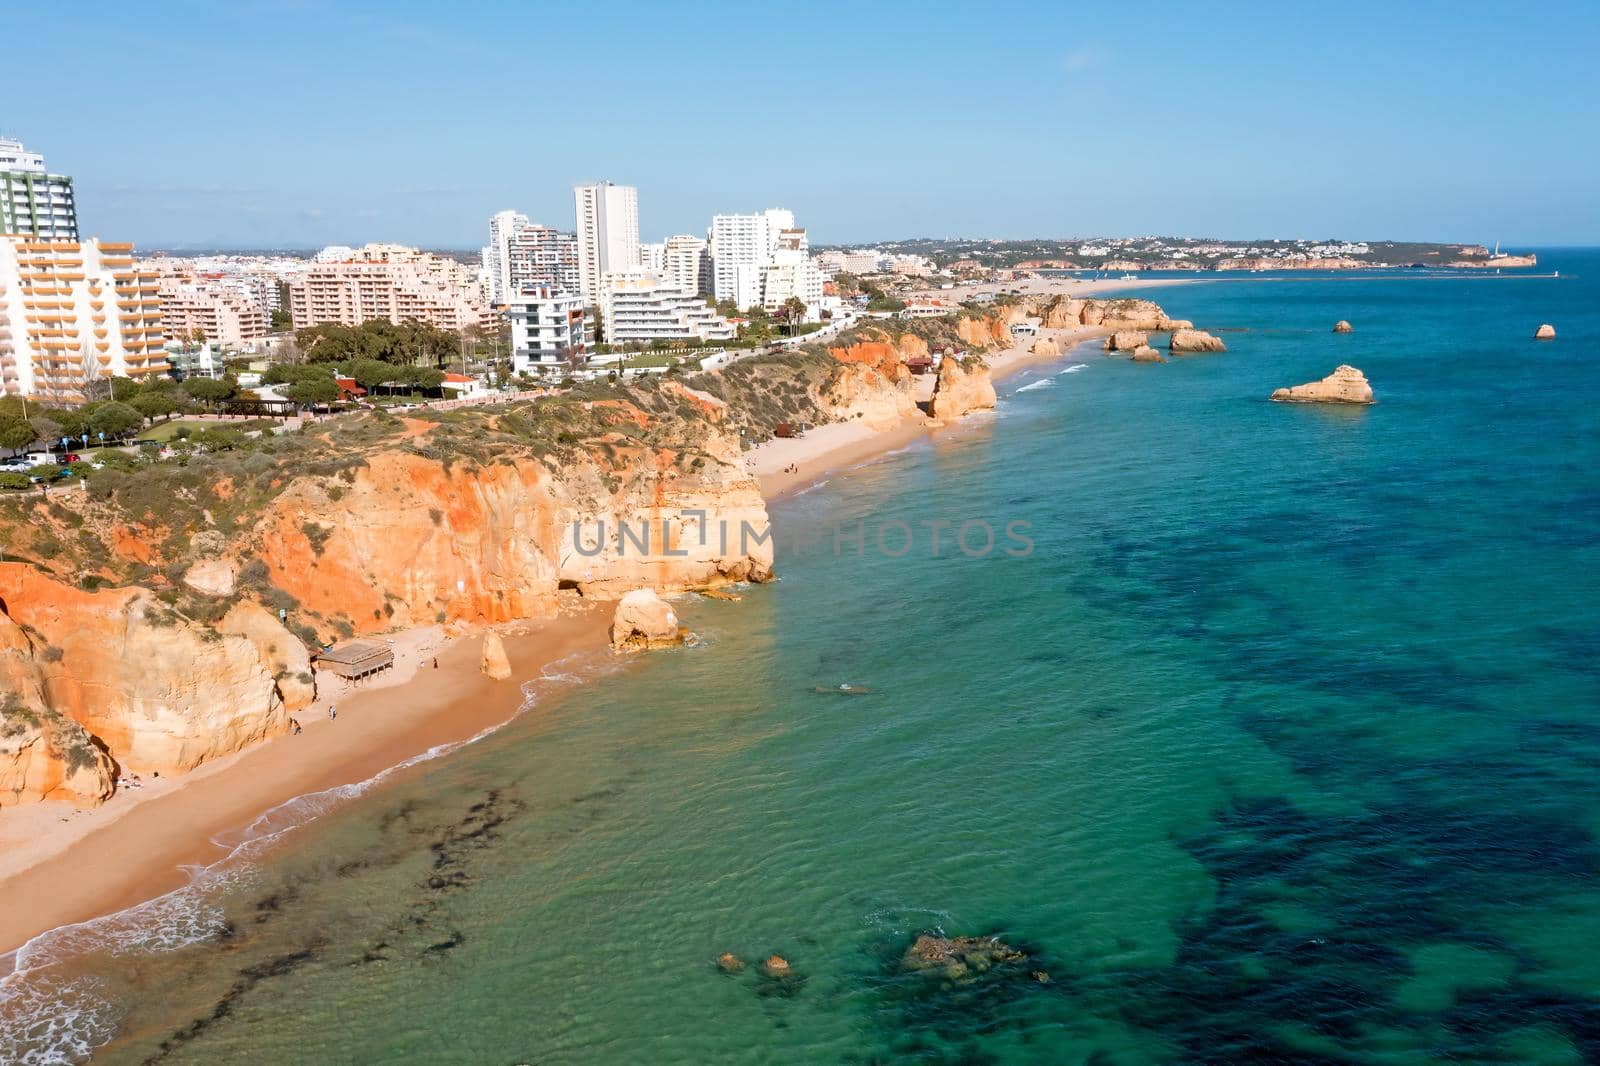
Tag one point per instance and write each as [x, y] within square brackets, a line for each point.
[46, 1020]
[1073, 369]
[1043, 383]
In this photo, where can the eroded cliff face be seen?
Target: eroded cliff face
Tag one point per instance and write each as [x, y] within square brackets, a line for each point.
[164, 675]
[154, 691]
[1063, 312]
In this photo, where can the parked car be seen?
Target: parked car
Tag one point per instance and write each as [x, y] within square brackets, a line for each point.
[16, 464]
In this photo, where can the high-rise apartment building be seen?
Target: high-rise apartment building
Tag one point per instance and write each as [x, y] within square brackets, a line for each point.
[686, 263]
[33, 202]
[392, 282]
[503, 226]
[741, 245]
[608, 233]
[72, 315]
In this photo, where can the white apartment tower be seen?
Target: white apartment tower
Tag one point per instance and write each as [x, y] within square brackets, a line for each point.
[608, 233]
[33, 202]
[503, 226]
[741, 245]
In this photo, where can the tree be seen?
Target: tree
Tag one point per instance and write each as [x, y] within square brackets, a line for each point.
[281, 321]
[209, 390]
[313, 390]
[794, 310]
[115, 419]
[154, 404]
[16, 433]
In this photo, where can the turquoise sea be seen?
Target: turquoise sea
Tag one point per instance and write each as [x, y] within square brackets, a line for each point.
[1281, 745]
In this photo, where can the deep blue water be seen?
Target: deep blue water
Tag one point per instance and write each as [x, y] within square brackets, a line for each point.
[1280, 745]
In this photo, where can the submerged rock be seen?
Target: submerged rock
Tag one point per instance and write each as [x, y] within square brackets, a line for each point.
[842, 690]
[776, 966]
[1545, 332]
[720, 594]
[1195, 340]
[958, 956]
[1344, 385]
[643, 620]
[1342, 326]
[728, 962]
[1146, 354]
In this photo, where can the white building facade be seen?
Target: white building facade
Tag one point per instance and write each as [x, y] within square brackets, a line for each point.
[740, 246]
[503, 226]
[549, 331]
[639, 306]
[608, 233]
[33, 202]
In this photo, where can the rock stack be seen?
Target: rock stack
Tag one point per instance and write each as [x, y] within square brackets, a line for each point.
[1546, 332]
[1344, 385]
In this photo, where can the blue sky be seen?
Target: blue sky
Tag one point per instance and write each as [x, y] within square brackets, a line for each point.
[293, 124]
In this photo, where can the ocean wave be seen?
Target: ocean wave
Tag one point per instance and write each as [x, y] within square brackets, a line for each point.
[1074, 368]
[46, 1020]
[1043, 383]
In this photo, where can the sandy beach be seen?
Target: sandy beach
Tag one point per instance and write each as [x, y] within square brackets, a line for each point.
[786, 465]
[59, 866]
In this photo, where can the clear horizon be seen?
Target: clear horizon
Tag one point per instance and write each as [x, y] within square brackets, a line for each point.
[293, 124]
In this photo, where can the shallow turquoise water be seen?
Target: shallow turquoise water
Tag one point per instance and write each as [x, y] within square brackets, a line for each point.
[1281, 745]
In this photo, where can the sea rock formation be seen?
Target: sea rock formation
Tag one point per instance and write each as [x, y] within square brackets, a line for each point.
[1146, 354]
[1066, 312]
[954, 957]
[644, 620]
[492, 661]
[1545, 332]
[1046, 346]
[1195, 340]
[963, 386]
[1126, 340]
[728, 962]
[1342, 326]
[776, 966]
[1345, 385]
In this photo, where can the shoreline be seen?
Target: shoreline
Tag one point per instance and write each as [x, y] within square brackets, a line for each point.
[130, 853]
[52, 876]
[842, 445]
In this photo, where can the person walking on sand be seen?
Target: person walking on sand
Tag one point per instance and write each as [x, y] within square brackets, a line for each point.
[332, 712]
[436, 662]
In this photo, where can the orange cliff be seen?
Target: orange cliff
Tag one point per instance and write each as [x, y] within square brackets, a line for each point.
[113, 675]
[94, 684]
[963, 386]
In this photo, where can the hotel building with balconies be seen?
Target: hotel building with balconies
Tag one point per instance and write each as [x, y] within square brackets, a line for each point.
[73, 314]
[390, 282]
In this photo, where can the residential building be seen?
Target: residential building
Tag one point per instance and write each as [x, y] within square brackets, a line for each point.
[550, 331]
[608, 233]
[740, 246]
[791, 273]
[392, 282]
[540, 256]
[74, 314]
[638, 306]
[33, 202]
[686, 263]
[210, 308]
[653, 256]
[503, 226]
[841, 262]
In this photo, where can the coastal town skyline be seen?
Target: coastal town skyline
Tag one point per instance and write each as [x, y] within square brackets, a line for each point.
[1077, 131]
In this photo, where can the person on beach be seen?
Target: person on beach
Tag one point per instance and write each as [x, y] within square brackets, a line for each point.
[436, 662]
[294, 727]
[332, 712]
